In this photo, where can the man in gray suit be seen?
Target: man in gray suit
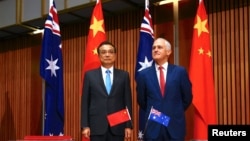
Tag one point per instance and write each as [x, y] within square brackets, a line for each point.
[98, 102]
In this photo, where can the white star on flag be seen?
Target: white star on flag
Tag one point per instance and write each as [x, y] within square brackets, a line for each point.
[45, 115]
[52, 66]
[140, 135]
[145, 64]
[61, 134]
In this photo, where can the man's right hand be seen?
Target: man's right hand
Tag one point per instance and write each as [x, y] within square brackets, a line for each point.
[86, 132]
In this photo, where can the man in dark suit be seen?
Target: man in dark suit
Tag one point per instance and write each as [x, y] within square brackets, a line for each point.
[171, 99]
[98, 102]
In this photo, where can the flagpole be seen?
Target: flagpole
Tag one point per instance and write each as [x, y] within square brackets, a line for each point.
[176, 32]
[147, 120]
[43, 100]
[43, 104]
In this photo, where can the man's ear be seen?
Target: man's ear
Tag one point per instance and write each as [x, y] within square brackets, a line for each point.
[169, 52]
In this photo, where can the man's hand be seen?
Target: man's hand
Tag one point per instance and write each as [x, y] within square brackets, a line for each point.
[86, 132]
[128, 133]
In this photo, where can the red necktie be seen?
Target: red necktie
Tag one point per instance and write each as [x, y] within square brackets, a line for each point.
[162, 80]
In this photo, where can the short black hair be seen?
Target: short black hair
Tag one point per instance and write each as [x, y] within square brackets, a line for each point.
[105, 43]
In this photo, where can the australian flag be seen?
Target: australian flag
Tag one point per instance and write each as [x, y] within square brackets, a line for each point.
[51, 70]
[158, 117]
[144, 57]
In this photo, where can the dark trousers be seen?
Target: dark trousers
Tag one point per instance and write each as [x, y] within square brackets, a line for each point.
[108, 136]
[164, 136]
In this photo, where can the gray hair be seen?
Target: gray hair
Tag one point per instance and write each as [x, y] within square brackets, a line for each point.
[167, 43]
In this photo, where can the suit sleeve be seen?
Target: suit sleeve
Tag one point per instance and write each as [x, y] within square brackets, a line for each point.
[85, 102]
[141, 90]
[128, 99]
[186, 89]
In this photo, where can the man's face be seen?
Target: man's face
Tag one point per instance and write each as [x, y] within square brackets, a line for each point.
[107, 55]
[160, 52]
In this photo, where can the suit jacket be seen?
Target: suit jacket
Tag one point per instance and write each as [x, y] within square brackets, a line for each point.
[97, 104]
[177, 98]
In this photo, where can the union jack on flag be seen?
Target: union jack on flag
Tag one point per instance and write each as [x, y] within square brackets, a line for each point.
[155, 112]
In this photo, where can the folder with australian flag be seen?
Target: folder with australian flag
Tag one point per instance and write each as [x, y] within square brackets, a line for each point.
[158, 117]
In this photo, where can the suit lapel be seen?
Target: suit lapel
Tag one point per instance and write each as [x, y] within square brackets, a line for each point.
[169, 75]
[115, 79]
[101, 81]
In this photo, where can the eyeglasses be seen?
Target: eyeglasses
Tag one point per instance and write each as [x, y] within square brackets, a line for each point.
[107, 51]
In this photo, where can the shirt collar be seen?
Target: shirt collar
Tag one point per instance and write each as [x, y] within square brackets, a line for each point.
[111, 69]
[165, 66]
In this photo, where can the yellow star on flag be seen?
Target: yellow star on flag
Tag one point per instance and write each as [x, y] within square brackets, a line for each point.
[201, 25]
[97, 26]
[200, 50]
[94, 51]
[209, 54]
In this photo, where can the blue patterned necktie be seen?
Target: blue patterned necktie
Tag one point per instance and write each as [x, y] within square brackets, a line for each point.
[108, 81]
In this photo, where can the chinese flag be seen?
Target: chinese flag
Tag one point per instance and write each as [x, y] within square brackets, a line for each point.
[118, 117]
[201, 75]
[95, 37]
